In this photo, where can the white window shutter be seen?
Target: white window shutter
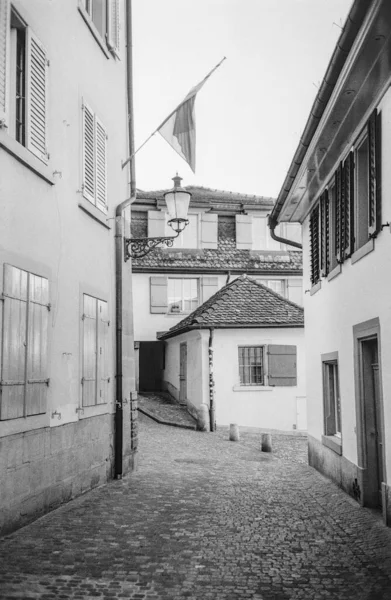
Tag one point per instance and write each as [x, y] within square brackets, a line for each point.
[159, 295]
[244, 232]
[4, 53]
[210, 285]
[113, 26]
[156, 223]
[209, 230]
[103, 353]
[101, 165]
[38, 319]
[36, 96]
[90, 334]
[88, 186]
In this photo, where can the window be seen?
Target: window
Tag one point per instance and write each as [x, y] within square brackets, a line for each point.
[95, 349]
[251, 370]
[277, 285]
[104, 17]
[183, 295]
[24, 378]
[331, 398]
[188, 238]
[94, 186]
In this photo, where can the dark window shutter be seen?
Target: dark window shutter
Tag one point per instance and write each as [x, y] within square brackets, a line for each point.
[314, 245]
[325, 232]
[374, 208]
[282, 365]
[339, 213]
[348, 170]
[159, 299]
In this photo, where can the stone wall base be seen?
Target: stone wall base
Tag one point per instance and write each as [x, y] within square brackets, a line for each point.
[337, 468]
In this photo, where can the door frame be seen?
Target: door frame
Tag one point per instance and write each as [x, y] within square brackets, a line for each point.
[183, 386]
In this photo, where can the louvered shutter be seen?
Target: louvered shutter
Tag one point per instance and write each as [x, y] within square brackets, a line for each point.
[88, 185]
[101, 165]
[159, 297]
[374, 216]
[36, 96]
[38, 317]
[4, 51]
[90, 335]
[325, 233]
[209, 230]
[103, 353]
[14, 343]
[210, 286]
[282, 365]
[113, 26]
[338, 233]
[348, 169]
[314, 245]
[157, 224]
[243, 232]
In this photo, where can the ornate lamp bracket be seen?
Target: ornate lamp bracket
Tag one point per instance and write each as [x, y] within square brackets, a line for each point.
[139, 247]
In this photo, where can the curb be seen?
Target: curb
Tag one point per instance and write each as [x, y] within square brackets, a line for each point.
[152, 416]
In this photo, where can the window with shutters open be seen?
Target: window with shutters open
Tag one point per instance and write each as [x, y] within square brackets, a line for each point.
[103, 17]
[331, 396]
[24, 378]
[94, 186]
[270, 365]
[95, 360]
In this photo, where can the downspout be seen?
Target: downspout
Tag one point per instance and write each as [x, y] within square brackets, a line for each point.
[212, 408]
[119, 253]
[272, 225]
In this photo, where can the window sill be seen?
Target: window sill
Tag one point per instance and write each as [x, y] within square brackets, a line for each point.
[24, 424]
[336, 271]
[252, 388]
[93, 30]
[315, 288]
[333, 442]
[363, 251]
[25, 157]
[94, 212]
[86, 412]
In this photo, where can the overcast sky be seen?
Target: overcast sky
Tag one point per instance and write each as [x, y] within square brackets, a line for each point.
[252, 111]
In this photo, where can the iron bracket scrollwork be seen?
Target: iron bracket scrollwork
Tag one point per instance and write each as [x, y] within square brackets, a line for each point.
[139, 247]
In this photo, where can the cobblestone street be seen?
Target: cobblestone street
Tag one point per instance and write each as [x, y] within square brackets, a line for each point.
[205, 518]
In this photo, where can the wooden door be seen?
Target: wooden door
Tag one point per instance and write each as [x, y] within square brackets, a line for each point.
[183, 372]
[151, 361]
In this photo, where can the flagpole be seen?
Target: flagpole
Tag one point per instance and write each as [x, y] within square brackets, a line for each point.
[124, 163]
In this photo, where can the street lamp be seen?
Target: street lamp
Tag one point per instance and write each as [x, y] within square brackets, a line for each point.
[177, 202]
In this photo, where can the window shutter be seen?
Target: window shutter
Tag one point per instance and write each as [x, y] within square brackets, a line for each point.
[157, 224]
[90, 334]
[113, 25]
[13, 364]
[38, 317]
[282, 365]
[210, 286]
[374, 175]
[314, 245]
[348, 170]
[339, 217]
[325, 232]
[159, 299]
[103, 353]
[244, 232]
[36, 96]
[4, 49]
[101, 165]
[209, 230]
[88, 185]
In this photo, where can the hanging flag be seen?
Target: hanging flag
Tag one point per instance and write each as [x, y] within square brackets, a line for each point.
[178, 129]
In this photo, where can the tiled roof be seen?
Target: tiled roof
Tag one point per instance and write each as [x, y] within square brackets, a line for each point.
[203, 194]
[242, 303]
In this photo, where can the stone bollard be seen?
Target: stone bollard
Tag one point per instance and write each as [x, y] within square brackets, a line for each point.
[266, 442]
[203, 421]
[233, 433]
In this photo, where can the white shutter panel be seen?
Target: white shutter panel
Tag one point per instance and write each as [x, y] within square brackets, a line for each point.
[38, 317]
[159, 295]
[113, 26]
[156, 223]
[103, 353]
[88, 185]
[89, 350]
[209, 230]
[4, 51]
[36, 96]
[244, 232]
[210, 285]
[101, 165]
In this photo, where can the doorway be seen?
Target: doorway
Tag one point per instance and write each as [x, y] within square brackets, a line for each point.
[183, 373]
[151, 365]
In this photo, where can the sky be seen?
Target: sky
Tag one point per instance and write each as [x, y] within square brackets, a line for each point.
[251, 113]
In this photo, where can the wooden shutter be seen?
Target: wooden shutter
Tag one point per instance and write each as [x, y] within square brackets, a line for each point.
[101, 165]
[103, 353]
[113, 26]
[36, 96]
[244, 239]
[4, 51]
[157, 224]
[325, 233]
[314, 245]
[159, 299]
[374, 220]
[282, 365]
[210, 286]
[348, 237]
[38, 317]
[209, 230]
[339, 217]
[88, 185]
[90, 339]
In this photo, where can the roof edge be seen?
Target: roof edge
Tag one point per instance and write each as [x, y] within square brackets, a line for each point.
[177, 332]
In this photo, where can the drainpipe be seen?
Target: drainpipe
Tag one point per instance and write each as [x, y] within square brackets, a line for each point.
[119, 253]
[272, 223]
[212, 409]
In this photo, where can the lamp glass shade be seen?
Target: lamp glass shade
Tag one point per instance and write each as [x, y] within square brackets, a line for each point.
[177, 202]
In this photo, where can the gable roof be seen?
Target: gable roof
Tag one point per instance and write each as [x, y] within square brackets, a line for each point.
[241, 303]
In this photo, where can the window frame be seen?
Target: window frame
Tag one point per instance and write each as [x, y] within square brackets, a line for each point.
[93, 197]
[332, 412]
[241, 365]
[105, 40]
[181, 310]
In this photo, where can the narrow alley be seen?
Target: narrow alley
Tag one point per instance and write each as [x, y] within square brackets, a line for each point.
[204, 518]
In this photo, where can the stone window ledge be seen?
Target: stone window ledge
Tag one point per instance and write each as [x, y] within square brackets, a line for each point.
[252, 388]
[333, 442]
[334, 273]
[363, 251]
[24, 156]
[315, 288]
[94, 212]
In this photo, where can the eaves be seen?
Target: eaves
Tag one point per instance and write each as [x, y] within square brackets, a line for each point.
[197, 326]
[217, 271]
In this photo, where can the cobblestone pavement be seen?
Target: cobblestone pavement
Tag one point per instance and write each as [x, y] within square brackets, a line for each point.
[204, 518]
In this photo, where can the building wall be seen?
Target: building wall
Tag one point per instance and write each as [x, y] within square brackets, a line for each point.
[49, 229]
